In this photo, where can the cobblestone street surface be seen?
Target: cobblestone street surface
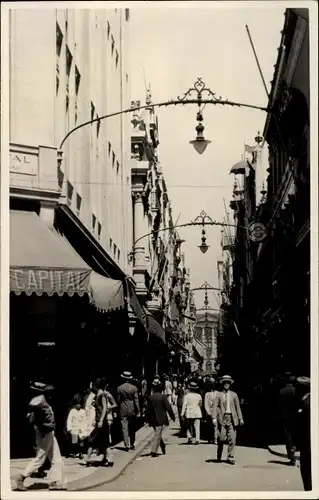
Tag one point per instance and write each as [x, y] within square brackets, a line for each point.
[193, 468]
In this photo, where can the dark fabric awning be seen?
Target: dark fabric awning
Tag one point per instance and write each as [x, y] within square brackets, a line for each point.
[176, 344]
[151, 325]
[42, 262]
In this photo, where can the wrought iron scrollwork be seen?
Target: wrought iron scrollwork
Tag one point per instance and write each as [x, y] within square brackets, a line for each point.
[200, 89]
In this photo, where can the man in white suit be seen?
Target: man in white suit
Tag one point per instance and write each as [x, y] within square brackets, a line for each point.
[226, 413]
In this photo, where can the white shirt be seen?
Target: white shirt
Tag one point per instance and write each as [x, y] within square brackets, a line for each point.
[192, 405]
[227, 402]
[76, 421]
[168, 388]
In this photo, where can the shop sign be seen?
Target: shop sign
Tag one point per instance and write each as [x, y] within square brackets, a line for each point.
[22, 163]
[42, 280]
[257, 232]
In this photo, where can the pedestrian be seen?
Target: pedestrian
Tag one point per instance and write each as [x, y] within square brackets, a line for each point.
[174, 386]
[127, 396]
[89, 408]
[180, 392]
[99, 438]
[168, 389]
[209, 400]
[110, 410]
[288, 409]
[75, 426]
[143, 396]
[192, 410]
[226, 413]
[303, 433]
[42, 417]
[157, 409]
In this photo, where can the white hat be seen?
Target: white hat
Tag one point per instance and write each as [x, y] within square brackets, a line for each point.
[127, 375]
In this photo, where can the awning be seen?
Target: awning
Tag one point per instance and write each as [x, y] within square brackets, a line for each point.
[174, 343]
[198, 349]
[151, 325]
[42, 262]
[239, 168]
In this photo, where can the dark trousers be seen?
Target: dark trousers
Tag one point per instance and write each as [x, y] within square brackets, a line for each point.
[305, 467]
[289, 431]
[128, 429]
[182, 422]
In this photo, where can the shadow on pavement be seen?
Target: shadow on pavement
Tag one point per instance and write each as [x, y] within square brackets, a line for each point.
[38, 486]
[215, 461]
[279, 462]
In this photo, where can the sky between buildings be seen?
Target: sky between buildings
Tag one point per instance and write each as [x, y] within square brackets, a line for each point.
[171, 47]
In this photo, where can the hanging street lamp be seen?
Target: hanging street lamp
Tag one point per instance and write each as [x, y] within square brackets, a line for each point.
[200, 143]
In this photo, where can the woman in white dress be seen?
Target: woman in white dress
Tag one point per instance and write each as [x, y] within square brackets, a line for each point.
[192, 411]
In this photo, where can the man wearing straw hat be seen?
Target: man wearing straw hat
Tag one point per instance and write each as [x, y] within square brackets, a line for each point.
[42, 417]
[128, 402]
[226, 413]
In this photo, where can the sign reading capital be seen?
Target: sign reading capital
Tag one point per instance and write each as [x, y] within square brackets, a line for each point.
[257, 232]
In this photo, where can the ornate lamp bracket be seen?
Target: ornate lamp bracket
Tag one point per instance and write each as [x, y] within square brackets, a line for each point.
[200, 90]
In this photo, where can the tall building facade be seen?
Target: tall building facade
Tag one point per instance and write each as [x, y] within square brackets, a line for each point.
[68, 67]
[162, 281]
[269, 299]
[68, 250]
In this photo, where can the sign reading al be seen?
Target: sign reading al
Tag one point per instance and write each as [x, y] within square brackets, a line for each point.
[257, 232]
[23, 163]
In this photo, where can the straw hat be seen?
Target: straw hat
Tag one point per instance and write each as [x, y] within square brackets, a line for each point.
[127, 376]
[226, 378]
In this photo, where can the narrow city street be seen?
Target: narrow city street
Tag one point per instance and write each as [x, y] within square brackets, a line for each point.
[193, 468]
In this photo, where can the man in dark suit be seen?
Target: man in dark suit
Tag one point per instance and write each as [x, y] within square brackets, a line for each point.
[127, 396]
[226, 413]
[288, 408]
[158, 407]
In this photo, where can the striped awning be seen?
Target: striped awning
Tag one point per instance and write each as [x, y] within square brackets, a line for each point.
[42, 262]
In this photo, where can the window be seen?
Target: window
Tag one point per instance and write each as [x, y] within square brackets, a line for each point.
[117, 167]
[59, 39]
[77, 80]
[78, 202]
[111, 244]
[67, 101]
[127, 14]
[108, 30]
[93, 222]
[70, 190]
[92, 111]
[68, 60]
[114, 249]
[126, 77]
[57, 85]
[109, 148]
[116, 58]
[118, 254]
[99, 229]
[112, 44]
[113, 159]
[98, 125]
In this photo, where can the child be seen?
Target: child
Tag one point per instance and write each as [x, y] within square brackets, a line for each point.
[75, 426]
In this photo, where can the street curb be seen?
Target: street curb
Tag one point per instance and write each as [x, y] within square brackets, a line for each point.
[279, 454]
[76, 485]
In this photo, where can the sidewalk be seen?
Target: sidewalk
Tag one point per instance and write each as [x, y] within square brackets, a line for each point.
[78, 476]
